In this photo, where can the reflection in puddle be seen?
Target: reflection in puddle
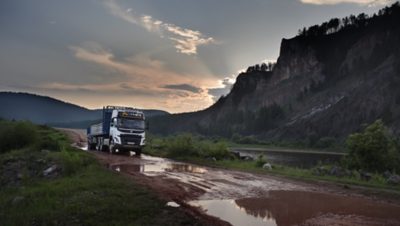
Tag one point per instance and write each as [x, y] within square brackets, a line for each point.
[184, 168]
[229, 211]
[157, 167]
[284, 208]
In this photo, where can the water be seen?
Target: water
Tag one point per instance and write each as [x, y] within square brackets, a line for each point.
[284, 208]
[246, 199]
[293, 158]
[229, 211]
[154, 165]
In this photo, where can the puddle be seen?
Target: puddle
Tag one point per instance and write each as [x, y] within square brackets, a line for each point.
[158, 165]
[284, 208]
[229, 211]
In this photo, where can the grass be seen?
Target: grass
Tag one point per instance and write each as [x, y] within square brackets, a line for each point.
[186, 145]
[91, 197]
[82, 192]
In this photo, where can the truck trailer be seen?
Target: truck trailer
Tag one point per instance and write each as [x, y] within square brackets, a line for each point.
[122, 130]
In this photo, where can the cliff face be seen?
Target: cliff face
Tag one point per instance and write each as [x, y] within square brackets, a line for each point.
[296, 58]
[322, 86]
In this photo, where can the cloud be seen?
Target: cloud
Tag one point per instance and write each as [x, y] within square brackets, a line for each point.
[185, 87]
[224, 89]
[141, 77]
[141, 67]
[110, 89]
[360, 2]
[186, 40]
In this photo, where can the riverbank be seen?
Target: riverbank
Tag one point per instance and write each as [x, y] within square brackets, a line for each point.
[285, 148]
[375, 186]
[293, 158]
[211, 153]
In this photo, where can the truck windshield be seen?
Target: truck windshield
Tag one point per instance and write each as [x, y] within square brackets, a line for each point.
[131, 124]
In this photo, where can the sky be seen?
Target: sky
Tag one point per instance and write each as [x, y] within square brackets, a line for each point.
[174, 55]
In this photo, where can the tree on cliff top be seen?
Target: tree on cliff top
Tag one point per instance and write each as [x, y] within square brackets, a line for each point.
[350, 23]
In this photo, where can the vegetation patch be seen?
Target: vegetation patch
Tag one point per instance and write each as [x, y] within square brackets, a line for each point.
[372, 161]
[374, 149]
[47, 182]
[186, 145]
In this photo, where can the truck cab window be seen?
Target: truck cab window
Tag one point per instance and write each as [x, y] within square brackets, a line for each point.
[131, 124]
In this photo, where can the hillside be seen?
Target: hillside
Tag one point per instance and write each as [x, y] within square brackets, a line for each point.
[47, 110]
[328, 82]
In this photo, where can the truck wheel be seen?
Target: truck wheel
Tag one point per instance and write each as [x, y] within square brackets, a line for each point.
[111, 147]
[104, 148]
[138, 152]
[100, 146]
[89, 146]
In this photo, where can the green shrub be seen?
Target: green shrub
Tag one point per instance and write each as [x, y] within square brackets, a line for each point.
[218, 150]
[374, 149]
[16, 135]
[73, 161]
[49, 143]
[180, 145]
[185, 145]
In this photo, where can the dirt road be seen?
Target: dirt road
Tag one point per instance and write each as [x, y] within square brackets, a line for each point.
[247, 199]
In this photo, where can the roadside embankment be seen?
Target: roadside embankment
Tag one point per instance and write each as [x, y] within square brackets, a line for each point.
[45, 181]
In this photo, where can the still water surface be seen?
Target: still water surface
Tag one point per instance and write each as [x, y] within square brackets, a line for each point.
[284, 208]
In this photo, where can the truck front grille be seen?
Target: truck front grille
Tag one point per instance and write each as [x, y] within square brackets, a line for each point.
[128, 139]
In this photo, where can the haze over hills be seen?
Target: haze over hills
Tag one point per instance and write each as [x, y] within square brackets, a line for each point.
[47, 110]
[328, 81]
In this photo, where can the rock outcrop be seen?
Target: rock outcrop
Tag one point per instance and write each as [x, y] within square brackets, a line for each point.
[322, 86]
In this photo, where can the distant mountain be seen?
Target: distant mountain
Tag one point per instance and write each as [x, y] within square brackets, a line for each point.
[328, 81]
[47, 110]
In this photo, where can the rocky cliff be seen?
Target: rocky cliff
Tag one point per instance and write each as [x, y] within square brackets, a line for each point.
[325, 85]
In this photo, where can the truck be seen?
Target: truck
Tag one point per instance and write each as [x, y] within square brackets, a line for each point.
[122, 129]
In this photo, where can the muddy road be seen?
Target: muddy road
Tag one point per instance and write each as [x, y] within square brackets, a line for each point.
[239, 198]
